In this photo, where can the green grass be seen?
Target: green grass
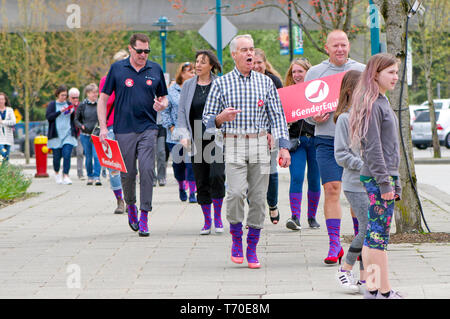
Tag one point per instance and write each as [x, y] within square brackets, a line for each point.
[13, 183]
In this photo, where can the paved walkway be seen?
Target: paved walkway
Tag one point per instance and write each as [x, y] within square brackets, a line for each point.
[67, 243]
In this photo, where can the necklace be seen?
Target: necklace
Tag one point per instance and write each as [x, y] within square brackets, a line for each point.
[204, 88]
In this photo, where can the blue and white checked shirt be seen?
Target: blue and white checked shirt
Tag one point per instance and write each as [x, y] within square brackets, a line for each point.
[258, 100]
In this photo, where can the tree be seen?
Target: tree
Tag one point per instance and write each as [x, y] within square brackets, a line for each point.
[81, 55]
[328, 14]
[407, 210]
[23, 56]
[433, 25]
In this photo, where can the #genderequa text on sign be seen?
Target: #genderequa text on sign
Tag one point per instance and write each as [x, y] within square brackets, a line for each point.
[307, 99]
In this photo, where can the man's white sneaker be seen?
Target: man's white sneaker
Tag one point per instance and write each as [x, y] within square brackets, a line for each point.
[346, 280]
[66, 180]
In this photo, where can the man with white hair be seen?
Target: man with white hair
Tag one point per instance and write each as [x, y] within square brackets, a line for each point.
[74, 99]
[243, 103]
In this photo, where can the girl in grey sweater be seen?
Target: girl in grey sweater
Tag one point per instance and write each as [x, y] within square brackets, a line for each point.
[351, 184]
[374, 127]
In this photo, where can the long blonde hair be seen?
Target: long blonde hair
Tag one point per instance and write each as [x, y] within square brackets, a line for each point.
[303, 62]
[365, 94]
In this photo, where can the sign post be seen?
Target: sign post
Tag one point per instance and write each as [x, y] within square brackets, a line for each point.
[210, 32]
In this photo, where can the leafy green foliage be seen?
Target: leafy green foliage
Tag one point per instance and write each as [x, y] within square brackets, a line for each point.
[13, 183]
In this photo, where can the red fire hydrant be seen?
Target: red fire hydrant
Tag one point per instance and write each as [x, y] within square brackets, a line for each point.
[40, 151]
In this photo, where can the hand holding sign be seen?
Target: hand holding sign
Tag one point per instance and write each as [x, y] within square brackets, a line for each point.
[320, 118]
[103, 135]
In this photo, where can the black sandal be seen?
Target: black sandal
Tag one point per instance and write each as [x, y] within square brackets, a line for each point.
[276, 219]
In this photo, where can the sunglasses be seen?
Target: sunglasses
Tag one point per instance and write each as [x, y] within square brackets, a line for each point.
[302, 59]
[139, 51]
[185, 65]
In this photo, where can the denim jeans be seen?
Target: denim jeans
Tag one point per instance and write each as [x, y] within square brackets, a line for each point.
[4, 150]
[272, 190]
[92, 163]
[114, 176]
[64, 152]
[305, 153]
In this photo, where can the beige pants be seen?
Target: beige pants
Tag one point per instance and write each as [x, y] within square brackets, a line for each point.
[247, 170]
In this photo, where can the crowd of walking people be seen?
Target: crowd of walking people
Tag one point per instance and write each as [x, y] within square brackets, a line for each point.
[227, 135]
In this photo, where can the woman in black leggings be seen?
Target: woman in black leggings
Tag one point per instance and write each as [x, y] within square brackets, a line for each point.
[207, 157]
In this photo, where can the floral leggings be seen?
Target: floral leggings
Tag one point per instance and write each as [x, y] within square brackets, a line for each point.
[380, 215]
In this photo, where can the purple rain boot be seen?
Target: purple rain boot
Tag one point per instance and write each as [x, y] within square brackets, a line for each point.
[192, 190]
[217, 203]
[206, 230]
[237, 252]
[335, 251]
[313, 204]
[143, 224]
[133, 217]
[252, 242]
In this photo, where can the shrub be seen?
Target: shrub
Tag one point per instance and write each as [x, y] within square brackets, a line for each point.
[13, 183]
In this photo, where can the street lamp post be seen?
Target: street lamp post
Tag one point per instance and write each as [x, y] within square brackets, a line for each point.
[374, 29]
[163, 22]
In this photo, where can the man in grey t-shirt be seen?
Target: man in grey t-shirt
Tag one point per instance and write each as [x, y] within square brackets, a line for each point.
[338, 48]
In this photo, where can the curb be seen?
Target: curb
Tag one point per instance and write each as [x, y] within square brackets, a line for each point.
[431, 161]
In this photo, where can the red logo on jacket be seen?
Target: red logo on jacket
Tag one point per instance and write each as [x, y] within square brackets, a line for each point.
[129, 82]
[260, 103]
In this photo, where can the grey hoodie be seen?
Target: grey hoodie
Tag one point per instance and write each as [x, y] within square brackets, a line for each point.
[380, 147]
[321, 70]
[346, 157]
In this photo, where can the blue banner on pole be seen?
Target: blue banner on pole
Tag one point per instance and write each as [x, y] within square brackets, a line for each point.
[284, 40]
[298, 40]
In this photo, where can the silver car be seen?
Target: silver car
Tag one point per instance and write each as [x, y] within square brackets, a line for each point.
[421, 129]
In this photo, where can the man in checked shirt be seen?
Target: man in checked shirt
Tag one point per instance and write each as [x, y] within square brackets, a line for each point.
[243, 104]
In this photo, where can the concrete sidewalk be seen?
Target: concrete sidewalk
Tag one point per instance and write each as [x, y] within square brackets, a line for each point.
[67, 243]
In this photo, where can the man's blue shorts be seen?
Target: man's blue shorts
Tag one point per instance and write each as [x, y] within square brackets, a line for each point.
[329, 169]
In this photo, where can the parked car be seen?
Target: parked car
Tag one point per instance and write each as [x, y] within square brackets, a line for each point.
[414, 110]
[439, 104]
[38, 128]
[421, 129]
